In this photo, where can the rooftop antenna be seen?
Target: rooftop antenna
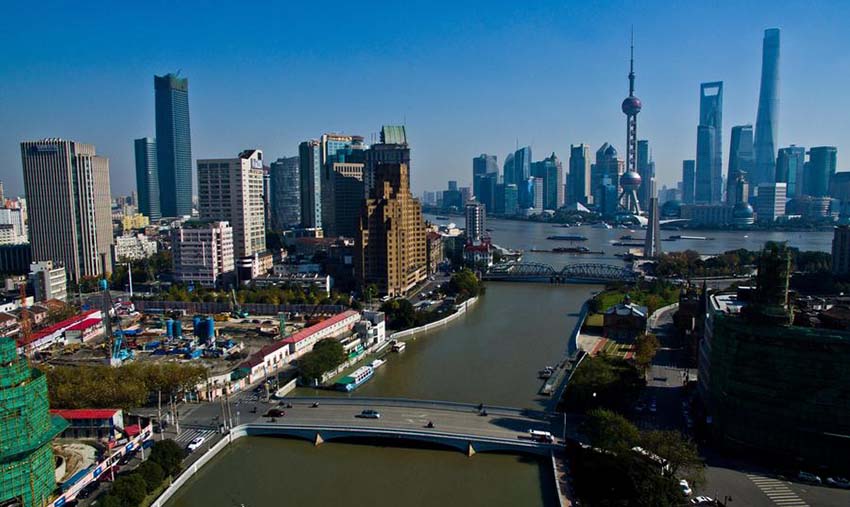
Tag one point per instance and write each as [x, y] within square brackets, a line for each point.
[632, 64]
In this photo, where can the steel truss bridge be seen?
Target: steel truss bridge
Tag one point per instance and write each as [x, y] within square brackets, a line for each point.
[572, 273]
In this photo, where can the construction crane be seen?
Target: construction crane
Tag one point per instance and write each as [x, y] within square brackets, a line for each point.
[117, 352]
[236, 310]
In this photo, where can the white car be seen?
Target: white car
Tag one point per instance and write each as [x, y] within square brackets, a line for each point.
[195, 444]
[838, 482]
[686, 489]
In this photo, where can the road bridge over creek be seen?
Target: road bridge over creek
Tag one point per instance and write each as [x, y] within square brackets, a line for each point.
[571, 273]
[456, 425]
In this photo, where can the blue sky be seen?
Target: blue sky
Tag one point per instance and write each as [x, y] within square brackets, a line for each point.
[465, 77]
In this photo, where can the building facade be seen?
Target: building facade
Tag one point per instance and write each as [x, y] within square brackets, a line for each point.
[285, 193]
[741, 157]
[391, 247]
[147, 178]
[709, 168]
[767, 120]
[790, 165]
[841, 250]
[475, 221]
[133, 247]
[770, 201]
[173, 145]
[821, 169]
[49, 281]
[310, 175]
[393, 148]
[578, 187]
[69, 205]
[689, 181]
[231, 190]
[202, 252]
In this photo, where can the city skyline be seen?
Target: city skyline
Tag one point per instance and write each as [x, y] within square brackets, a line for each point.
[446, 122]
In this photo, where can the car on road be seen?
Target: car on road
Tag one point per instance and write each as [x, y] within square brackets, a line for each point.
[702, 500]
[685, 487]
[369, 414]
[275, 412]
[809, 478]
[838, 482]
[195, 444]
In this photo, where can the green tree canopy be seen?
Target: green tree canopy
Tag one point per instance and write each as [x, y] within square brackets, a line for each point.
[168, 454]
[610, 431]
[152, 473]
[326, 355]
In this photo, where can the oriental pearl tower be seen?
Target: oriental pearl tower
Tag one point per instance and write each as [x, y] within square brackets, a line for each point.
[630, 180]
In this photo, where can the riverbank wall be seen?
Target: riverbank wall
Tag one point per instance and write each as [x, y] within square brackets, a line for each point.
[412, 332]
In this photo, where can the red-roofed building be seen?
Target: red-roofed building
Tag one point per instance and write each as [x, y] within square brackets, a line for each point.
[46, 337]
[478, 255]
[100, 423]
[275, 356]
[84, 331]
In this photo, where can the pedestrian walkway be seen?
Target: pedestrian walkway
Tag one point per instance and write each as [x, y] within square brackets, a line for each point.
[190, 434]
[777, 491]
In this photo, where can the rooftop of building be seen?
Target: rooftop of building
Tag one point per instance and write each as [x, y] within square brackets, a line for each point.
[57, 327]
[86, 413]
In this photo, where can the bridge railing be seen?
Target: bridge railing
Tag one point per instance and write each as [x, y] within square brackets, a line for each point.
[409, 402]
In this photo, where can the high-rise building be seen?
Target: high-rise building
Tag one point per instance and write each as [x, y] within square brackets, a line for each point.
[770, 201]
[739, 190]
[508, 170]
[173, 145]
[202, 252]
[551, 171]
[709, 169]
[841, 250]
[821, 168]
[740, 155]
[608, 197]
[391, 248]
[393, 148]
[348, 198]
[482, 165]
[537, 193]
[506, 201]
[646, 170]
[310, 169]
[147, 178]
[578, 187]
[688, 181]
[285, 192]
[69, 205]
[338, 149]
[231, 190]
[475, 221]
[631, 106]
[518, 168]
[607, 164]
[486, 193]
[790, 166]
[767, 121]
[13, 226]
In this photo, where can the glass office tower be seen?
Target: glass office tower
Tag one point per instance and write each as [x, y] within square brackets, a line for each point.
[173, 145]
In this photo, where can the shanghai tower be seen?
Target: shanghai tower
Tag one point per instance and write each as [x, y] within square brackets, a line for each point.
[767, 121]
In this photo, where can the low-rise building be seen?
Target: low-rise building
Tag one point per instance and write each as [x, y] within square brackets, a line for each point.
[54, 334]
[49, 281]
[478, 255]
[84, 331]
[96, 423]
[254, 266]
[434, 247]
[707, 214]
[303, 280]
[624, 321]
[133, 247]
[133, 221]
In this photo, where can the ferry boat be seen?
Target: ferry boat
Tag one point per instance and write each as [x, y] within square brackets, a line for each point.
[575, 250]
[356, 379]
[398, 346]
[567, 238]
[698, 238]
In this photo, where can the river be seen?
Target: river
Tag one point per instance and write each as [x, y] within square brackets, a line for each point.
[491, 355]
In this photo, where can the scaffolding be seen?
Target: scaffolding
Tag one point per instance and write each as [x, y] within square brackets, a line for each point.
[26, 430]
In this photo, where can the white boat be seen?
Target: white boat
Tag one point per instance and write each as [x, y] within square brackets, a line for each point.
[399, 346]
[377, 363]
[357, 378]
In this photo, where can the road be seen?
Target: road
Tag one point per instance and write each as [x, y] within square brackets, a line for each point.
[747, 484]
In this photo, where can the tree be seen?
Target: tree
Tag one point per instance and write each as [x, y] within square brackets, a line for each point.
[646, 346]
[603, 381]
[325, 356]
[110, 501]
[167, 454]
[464, 285]
[610, 431]
[152, 473]
[400, 314]
[130, 489]
[627, 479]
[680, 452]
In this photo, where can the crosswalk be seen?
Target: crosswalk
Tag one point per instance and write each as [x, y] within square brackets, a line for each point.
[777, 491]
[190, 434]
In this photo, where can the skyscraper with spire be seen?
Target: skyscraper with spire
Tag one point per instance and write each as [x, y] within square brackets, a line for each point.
[630, 180]
[767, 121]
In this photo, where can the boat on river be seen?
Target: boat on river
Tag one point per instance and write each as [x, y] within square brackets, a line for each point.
[569, 250]
[568, 237]
[398, 346]
[356, 379]
[377, 363]
[692, 238]
[546, 372]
